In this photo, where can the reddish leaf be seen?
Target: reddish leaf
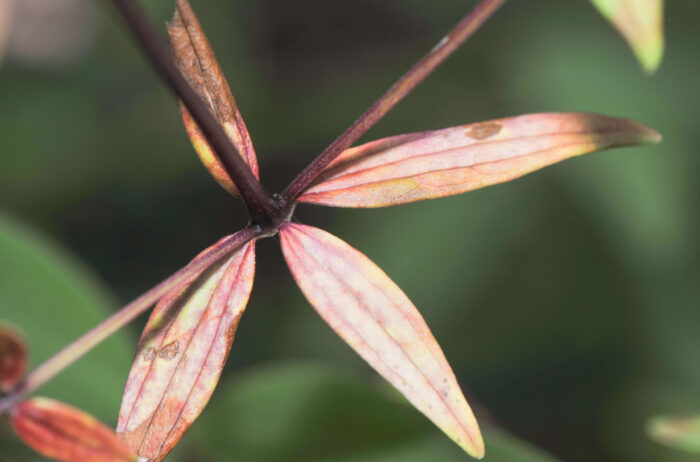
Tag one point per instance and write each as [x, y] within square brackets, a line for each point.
[641, 23]
[65, 433]
[198, 64]
[181, 353]
[14, 356]
[440, 163]
[381, 324]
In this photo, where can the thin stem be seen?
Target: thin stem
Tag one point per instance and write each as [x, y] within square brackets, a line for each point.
[263, 209]
[75, 350]
[451, 42]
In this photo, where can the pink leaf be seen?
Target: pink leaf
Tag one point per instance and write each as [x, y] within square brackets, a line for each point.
[181, 354]
[198, 64]
[65, 433]
[381, 324]
[440, 163]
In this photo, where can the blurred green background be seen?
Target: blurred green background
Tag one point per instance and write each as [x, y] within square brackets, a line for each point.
[567, 302]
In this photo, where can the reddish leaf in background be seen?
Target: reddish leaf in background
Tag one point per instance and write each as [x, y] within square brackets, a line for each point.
[439, 163]
[198, 64]
[65, 433]
[359, 301]
[182, 351]
[14, 356]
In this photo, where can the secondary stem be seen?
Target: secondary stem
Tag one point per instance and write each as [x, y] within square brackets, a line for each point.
[74, 351]
[456, 37]
[263, 209]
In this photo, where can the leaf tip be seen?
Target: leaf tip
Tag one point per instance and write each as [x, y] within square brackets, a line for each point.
[655, 137]
[649, 51]
[650, 57]
[476, 448]
[649, 135]
[469, 437]
[641, 24]
[627, 132]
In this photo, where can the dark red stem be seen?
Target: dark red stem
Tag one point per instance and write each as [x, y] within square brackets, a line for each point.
[68, 355]
[263, 209]
[422, 69]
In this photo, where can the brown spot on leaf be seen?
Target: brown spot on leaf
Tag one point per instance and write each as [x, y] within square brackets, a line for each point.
[483, 131]
[149, 354]
[170, 350]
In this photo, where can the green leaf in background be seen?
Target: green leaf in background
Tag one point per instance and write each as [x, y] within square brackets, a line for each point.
[48, 295]
[640, 196]
[677, 432]
[641, 23]
[313, 412]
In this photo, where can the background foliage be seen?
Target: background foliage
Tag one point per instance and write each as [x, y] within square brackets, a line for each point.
[567, 301]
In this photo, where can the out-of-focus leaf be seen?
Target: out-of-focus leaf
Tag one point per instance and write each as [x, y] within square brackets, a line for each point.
[54, 299]
[65, 433]
[641, 23]
[439, 163]
[304, 411]
[678, 432]
[315, 412]
[181, 354]
[5, 6]
[14, 356]
[51, 35]
[500, 447]
[381, 324]
[198, 64]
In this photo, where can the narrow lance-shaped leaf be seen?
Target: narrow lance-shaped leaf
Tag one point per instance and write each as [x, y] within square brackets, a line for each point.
[65, 433]
[14, 356]
[198, 64]
[440, 163]
[381, 324]
[181, 354]
[641, 23]
[678, 432]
